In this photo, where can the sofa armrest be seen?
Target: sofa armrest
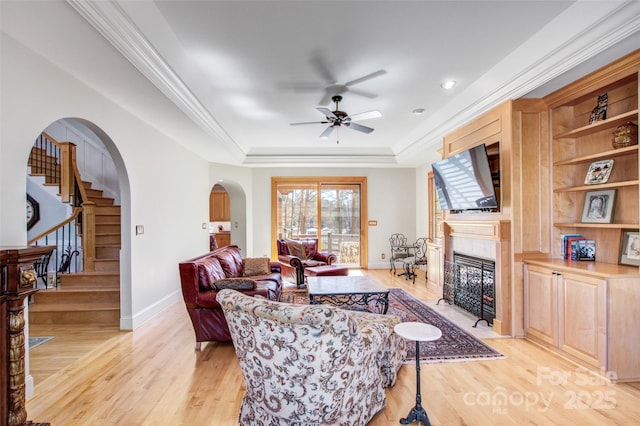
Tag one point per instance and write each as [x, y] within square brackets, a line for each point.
[328, 258]
[275, 266]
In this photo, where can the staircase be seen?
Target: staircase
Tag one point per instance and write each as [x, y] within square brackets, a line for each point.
[91, 296]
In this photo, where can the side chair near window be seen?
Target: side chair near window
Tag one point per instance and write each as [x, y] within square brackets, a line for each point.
[417, 259]
[399, 251]
[311, 364]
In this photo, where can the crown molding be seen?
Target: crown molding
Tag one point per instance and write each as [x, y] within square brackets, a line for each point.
[108, 18]
[608, 29]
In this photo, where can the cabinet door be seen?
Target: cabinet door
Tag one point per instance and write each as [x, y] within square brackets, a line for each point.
[434, 265]
[540, 300]
[582, 317]
[223, 240]
[220, 206]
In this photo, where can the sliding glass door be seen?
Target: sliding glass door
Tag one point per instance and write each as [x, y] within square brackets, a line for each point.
[330, 209]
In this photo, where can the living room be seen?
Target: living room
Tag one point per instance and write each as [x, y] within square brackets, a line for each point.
[164, 186]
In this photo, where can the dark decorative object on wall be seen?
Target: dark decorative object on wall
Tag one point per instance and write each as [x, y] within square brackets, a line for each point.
[33, 211]
[600, 111]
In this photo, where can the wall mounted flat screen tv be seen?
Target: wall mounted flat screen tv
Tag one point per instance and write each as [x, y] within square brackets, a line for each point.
[464, 182]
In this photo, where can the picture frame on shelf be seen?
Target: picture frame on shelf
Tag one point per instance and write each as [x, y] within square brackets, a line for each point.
[599, 172]
[599, 206]
[630, 247]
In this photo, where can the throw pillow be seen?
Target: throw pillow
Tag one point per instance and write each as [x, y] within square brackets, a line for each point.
[256, 266]
[235, 284]
[296, 249]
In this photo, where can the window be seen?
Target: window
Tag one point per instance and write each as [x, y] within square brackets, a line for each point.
[331, 209]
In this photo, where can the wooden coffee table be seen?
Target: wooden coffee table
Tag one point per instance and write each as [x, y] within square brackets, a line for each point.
[361, 293]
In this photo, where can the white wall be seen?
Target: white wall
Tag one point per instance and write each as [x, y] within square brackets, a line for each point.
[164, 186]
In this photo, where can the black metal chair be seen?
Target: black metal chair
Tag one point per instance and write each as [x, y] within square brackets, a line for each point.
[419, 258]
[399, 251]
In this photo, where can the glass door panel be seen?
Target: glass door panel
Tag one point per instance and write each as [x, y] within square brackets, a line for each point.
[340, 211]
[297, 210]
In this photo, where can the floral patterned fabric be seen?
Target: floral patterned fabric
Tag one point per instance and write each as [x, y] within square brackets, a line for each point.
[311, 364]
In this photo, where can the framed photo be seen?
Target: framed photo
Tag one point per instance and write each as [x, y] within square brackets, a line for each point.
[598, 172]
[598, 206]
[630, 248]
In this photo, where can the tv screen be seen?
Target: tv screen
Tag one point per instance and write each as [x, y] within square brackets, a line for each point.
[463, 181]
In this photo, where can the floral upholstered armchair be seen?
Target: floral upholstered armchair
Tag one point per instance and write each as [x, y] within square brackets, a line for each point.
[311, 364]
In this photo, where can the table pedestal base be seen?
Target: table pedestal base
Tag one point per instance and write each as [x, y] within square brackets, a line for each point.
[417, 413]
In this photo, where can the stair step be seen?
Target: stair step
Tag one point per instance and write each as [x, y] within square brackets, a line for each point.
[107, 265]
[101, 201]
[88, 279]
[83, 315]
[107, 210]
[108, 251]
[77, 296]
[104, 239]
[108, 228]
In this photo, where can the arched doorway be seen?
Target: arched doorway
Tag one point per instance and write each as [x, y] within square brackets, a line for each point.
[233, 215]
[106, 186]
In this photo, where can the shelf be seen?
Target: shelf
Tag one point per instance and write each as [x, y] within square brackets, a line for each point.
[599, 186]
[609, 123]
[620, 152]
[598, 225]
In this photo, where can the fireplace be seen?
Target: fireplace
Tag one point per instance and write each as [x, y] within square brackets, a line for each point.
[470, 284]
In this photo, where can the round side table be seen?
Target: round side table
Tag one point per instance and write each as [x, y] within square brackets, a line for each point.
[419, 332]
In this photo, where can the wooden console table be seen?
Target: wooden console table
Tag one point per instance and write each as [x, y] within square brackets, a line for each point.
[17, 281]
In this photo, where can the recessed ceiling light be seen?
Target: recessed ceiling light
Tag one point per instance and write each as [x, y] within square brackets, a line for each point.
[418, 111]
[448, 84]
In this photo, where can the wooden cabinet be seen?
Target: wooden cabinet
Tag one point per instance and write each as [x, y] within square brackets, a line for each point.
[435, 265]
[540, 299]
[223, 239]
[219, 206]
[576, 143]
[585, 312]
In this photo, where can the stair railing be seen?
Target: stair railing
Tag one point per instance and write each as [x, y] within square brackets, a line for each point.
[82, 224]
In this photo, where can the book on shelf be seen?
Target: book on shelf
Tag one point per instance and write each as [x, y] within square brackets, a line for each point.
[586, 250]
[565, 246]
[574, 244]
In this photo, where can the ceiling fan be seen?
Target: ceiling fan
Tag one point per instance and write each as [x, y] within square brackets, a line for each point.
[330, 85]
[339, 118]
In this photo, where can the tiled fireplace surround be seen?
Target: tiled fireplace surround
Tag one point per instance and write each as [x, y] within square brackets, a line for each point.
[487, 240]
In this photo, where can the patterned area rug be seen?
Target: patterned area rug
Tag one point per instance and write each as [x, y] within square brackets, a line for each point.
[455, 345]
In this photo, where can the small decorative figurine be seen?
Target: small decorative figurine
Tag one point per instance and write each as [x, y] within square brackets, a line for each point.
[600, 111]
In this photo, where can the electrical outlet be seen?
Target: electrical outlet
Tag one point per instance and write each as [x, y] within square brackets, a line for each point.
[382, 256]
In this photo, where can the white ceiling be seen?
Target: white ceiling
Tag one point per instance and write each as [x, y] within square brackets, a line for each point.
[241, 71]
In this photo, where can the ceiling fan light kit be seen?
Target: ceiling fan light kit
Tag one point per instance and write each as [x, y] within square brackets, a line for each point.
[339, 118]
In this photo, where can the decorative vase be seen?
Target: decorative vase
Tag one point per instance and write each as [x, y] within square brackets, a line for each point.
[625, 135]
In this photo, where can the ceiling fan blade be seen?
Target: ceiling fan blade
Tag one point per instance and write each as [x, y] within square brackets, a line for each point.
[323, 70]
[326, 98]
[327, 112]
[308, 122]
[327, 132]
[365, 115]
[359, 127]
[362, 93]
[365, 78]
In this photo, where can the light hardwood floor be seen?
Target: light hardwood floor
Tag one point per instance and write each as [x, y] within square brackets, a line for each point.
[152, 376]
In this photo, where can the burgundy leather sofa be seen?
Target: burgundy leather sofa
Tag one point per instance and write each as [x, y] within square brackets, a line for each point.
[196, 275]
[293, 266]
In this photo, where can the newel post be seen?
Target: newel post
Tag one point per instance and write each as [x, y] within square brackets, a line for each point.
[67, 158]
[89, 234]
